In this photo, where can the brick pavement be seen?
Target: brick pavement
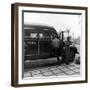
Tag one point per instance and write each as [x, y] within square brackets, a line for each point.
[54, 70]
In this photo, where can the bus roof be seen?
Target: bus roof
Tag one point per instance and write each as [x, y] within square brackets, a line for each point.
[40, 28]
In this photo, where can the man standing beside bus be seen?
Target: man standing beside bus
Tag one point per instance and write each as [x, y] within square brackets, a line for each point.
[55, 47]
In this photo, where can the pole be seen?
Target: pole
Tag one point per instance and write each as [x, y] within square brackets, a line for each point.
[62, 36]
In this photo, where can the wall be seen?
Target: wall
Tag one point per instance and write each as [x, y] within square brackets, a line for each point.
[5, 45]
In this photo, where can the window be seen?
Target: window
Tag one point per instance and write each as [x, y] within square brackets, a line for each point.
[33, 35]
[41, 35]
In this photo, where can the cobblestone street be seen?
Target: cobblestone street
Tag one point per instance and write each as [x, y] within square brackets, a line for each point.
[49, 67]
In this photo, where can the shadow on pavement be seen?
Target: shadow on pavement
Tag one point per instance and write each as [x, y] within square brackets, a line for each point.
[39, 65]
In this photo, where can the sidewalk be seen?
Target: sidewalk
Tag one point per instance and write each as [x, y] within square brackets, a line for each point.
[44, 68]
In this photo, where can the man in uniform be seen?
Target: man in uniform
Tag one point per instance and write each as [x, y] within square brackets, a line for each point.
[67, 50]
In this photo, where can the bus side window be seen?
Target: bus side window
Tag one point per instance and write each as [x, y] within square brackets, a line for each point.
[33, 35]
[41, 35]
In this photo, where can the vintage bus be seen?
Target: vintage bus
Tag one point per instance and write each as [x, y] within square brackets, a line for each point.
[37, 42]
[37, 39]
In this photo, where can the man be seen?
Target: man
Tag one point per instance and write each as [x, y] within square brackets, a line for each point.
[67, 50]
[55, 47]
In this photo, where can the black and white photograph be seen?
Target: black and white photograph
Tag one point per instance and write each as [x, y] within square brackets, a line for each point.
[51, 44]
